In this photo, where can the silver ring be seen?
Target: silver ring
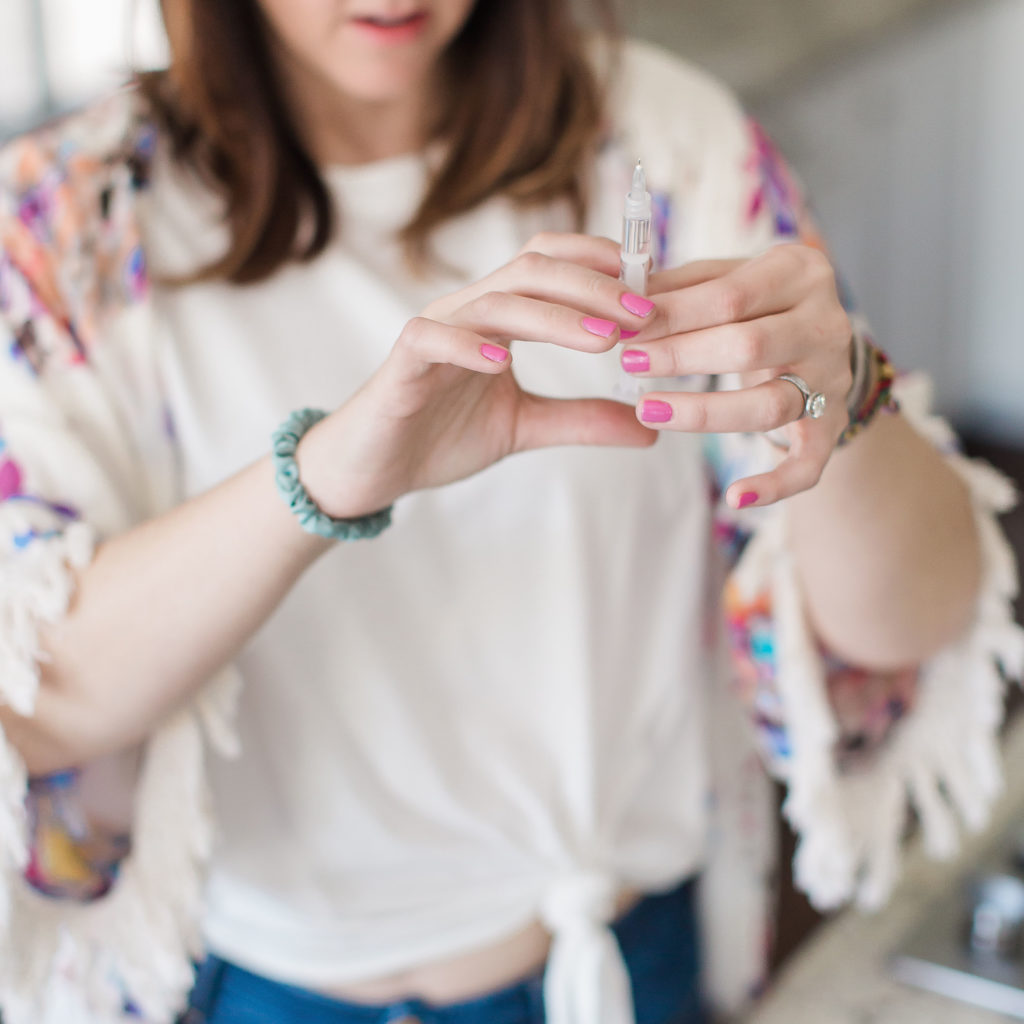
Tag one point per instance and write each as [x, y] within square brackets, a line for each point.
[814, 401]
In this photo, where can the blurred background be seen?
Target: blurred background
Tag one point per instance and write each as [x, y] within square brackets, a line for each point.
[905, 119]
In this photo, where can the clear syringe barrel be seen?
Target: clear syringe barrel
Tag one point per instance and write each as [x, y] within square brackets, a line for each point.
[636, 236]
[635, 252]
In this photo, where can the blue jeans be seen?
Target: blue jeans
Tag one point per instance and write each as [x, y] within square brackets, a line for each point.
[659, 944]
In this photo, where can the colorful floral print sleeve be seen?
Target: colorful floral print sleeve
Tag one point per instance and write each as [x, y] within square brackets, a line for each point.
[852, 744]
[867, 705]
[45, 234]
[85, 454]
[854, 748]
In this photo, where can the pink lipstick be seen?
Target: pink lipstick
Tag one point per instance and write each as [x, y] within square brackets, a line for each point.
[391, 29]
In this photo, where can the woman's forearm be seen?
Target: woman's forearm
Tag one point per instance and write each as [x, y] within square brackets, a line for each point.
[158, 610]
[886, 548]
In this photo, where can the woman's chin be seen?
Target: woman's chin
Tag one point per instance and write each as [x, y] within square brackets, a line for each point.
[380, 81]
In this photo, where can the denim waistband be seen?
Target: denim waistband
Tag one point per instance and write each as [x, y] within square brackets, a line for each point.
[658, 938]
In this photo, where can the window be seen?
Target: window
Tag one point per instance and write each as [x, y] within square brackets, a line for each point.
[56, 54]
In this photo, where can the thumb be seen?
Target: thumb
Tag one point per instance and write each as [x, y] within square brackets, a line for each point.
[544, 422]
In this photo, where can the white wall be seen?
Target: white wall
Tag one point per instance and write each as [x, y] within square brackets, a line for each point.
[914, 153]
[55, 53]
[19, 74]
[92, 44]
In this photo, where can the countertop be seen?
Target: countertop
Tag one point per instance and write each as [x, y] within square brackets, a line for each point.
[757, 46]
[840, 976]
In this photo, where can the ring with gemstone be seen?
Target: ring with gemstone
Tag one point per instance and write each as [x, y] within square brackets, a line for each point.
[814, 401]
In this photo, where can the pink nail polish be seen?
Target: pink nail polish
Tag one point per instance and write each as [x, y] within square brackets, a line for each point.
[626, 335]
[495, 353]
[602, 328]
[747, 498]
[635, 361]
[653, 411]
[637, 304]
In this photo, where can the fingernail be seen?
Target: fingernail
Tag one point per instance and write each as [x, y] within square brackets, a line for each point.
[653, 411]
[495, 353]
[635, 361]
[626, 335]
[602, 328]
[747, 498]
[637, 304]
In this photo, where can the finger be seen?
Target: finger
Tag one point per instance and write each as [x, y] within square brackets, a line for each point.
[536, 276]
[544, 422]
[800, 470]
[773, 282]
[424, 343]
[577, 270]
[594, 252]
[747, 410]
[762, 344]
[689, 274]
[508, 316]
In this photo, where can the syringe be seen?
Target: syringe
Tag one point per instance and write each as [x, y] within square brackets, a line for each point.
[635, 253]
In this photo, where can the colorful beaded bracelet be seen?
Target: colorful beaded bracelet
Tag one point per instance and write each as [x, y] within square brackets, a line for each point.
[878, 397]
[286, 476]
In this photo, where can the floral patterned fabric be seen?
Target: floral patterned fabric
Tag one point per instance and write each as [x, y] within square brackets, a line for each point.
[71, 858]
[85, 452]
[70, 256]
[776, 193]
[867, 705]
[69, 244]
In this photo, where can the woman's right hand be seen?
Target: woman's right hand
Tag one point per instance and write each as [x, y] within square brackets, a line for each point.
[444, 405]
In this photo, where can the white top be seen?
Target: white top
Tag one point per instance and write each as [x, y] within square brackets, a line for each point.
[489, 713]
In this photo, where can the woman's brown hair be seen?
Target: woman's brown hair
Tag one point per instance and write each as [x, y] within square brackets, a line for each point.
[522, 120]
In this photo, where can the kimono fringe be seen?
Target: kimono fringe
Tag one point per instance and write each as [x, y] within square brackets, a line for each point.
[35, 587]
[75, 962]
[944, 756]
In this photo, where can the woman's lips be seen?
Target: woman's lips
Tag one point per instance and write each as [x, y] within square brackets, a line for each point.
[398, 29]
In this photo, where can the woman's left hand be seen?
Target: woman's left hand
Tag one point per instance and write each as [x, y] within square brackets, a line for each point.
[758, 318]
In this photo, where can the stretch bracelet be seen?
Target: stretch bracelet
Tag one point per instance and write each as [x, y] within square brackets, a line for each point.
[284, 441]
[860, 370]
[879, 396]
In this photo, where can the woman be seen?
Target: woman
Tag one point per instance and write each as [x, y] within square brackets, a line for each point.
[472, 780]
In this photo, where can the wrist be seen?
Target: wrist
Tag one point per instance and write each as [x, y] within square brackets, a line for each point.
[871, 390]
[316, 457]
[311, 479]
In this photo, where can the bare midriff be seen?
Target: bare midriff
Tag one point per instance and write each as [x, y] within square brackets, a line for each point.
[468, 975]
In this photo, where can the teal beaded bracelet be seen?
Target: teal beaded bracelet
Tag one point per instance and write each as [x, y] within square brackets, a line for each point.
[286, 476]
